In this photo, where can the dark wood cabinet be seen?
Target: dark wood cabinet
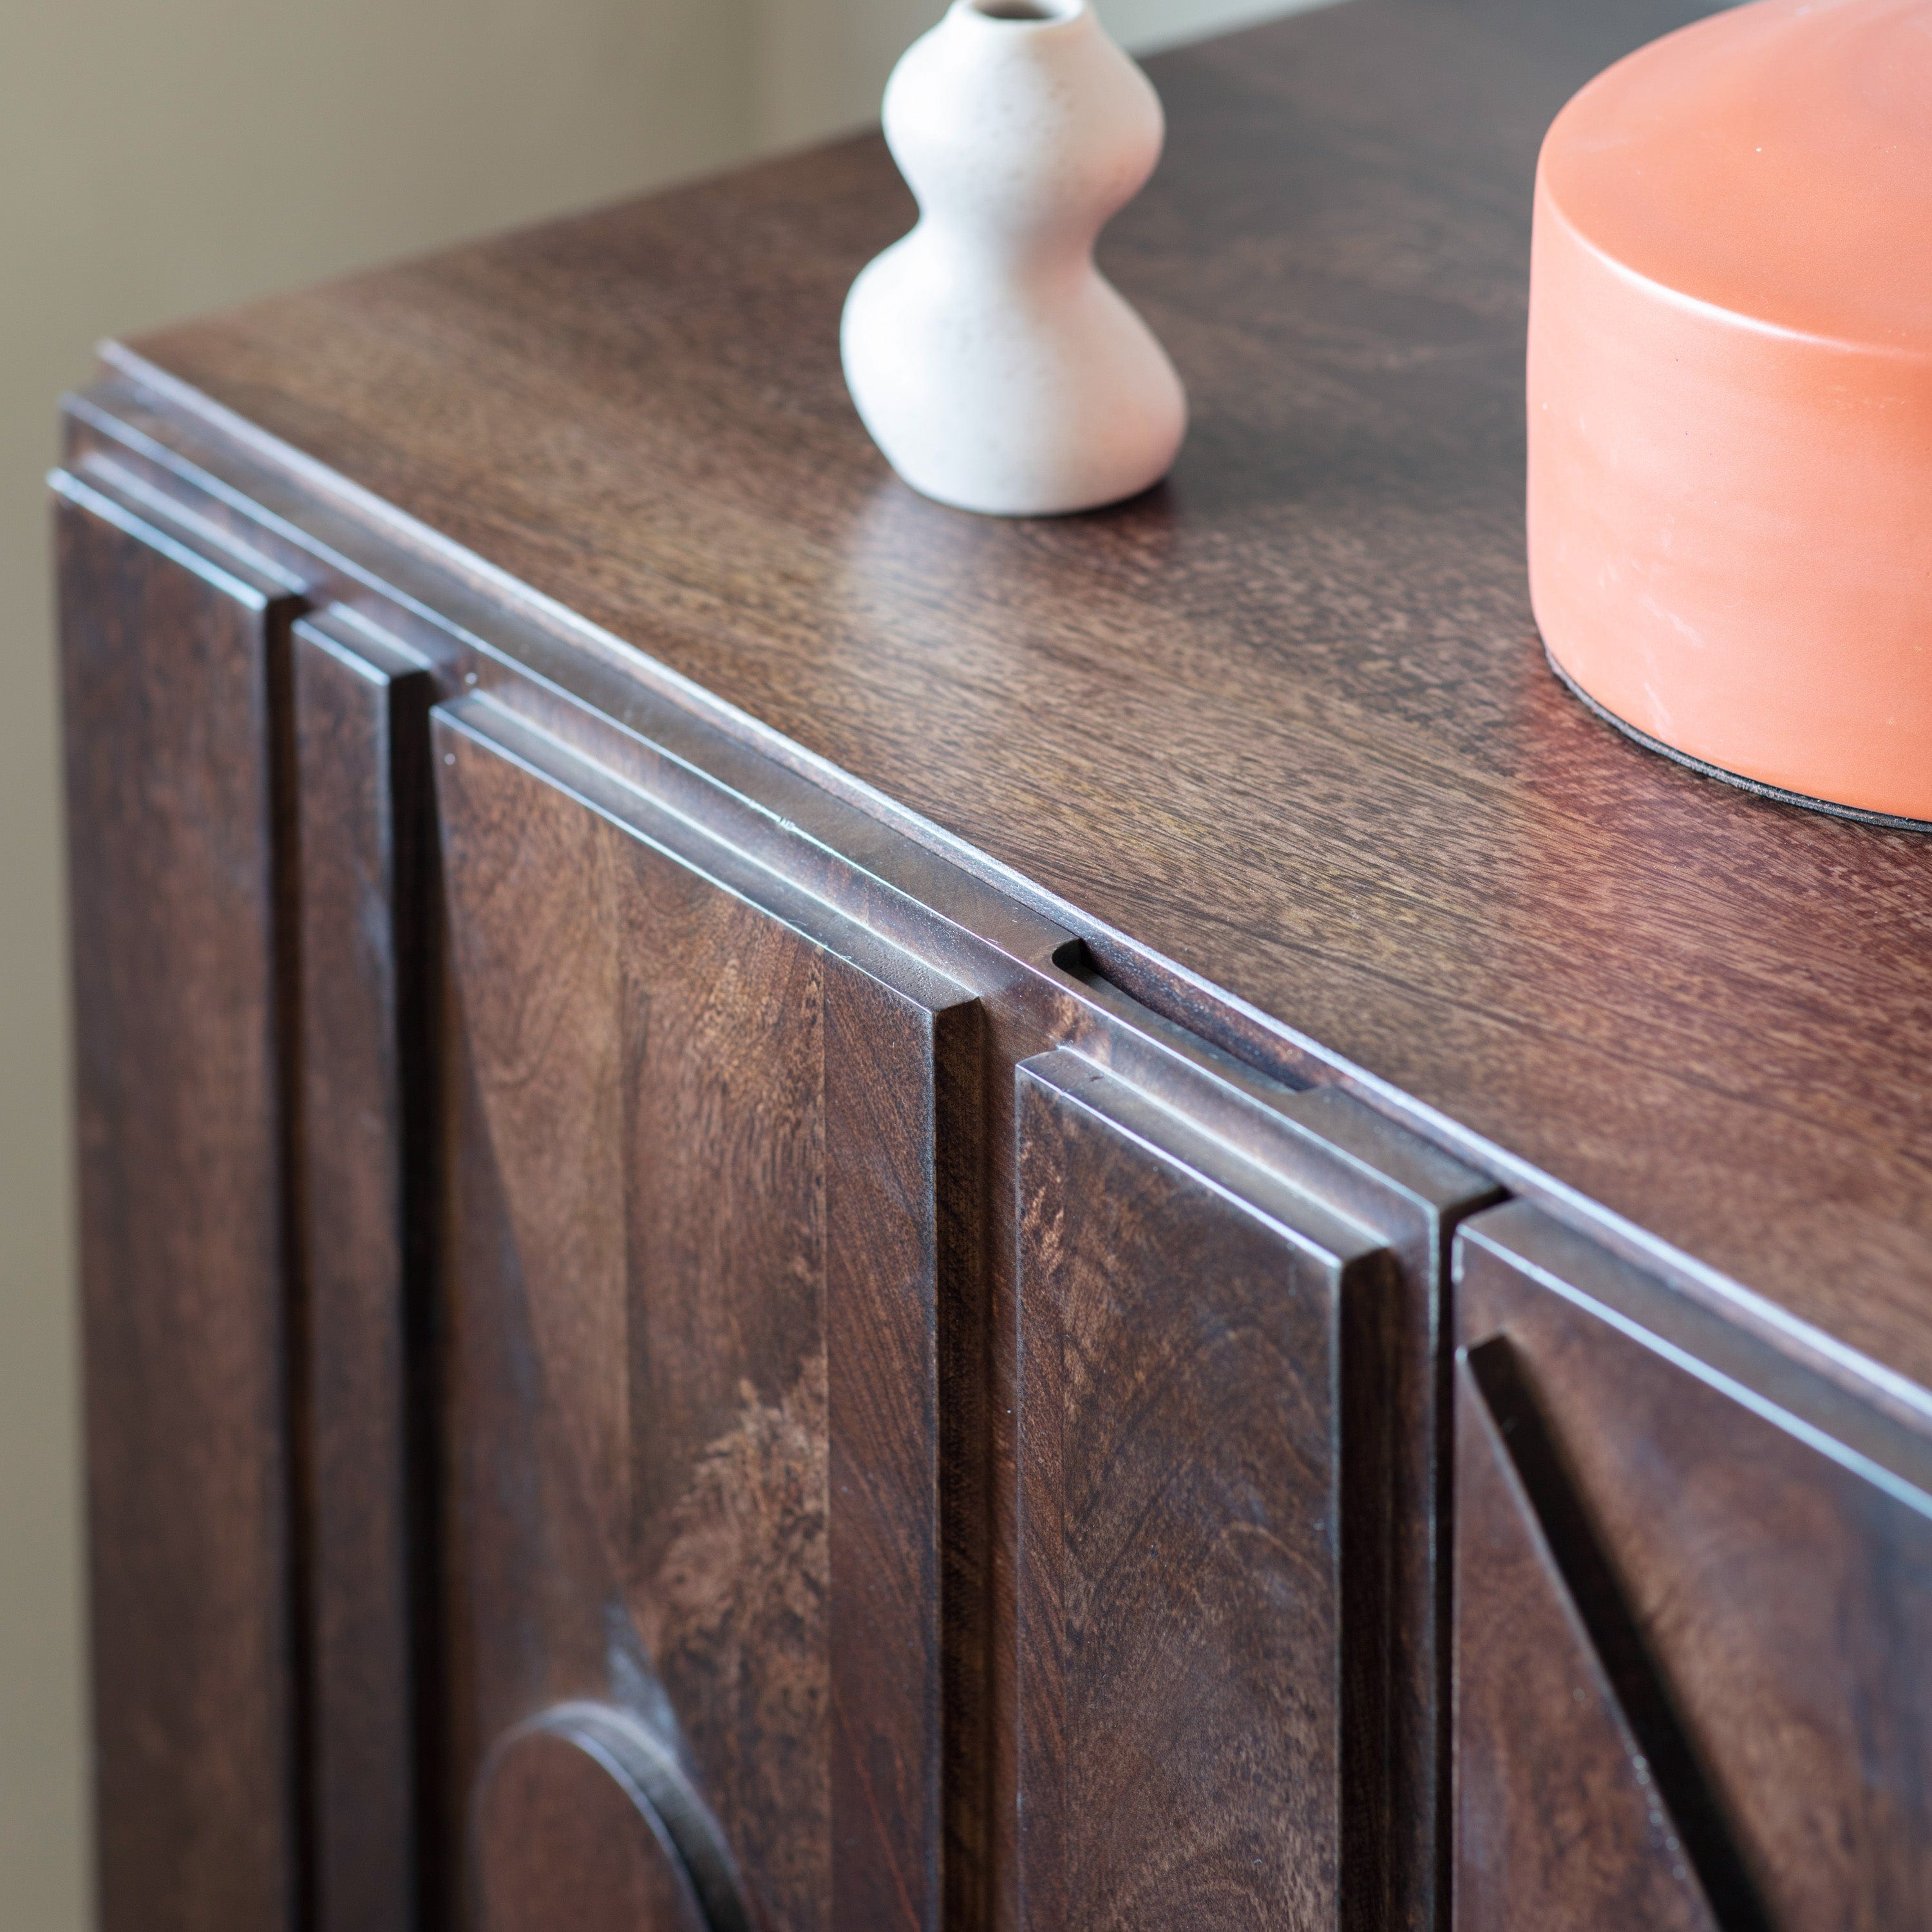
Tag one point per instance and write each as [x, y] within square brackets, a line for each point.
[1224, 1703]
[177, 673]
[1694, 1596]
[804, 1215]
[360, 918]
[714, 1139]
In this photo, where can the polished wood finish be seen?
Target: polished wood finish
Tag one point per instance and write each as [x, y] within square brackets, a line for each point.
[722, 1130]
[359, 704]
[1743, 1562]
[1201, 1366]
[897, 1122]
[1180, 1179]
[561, 1841]
[1284, 723]
[1541, 1738]
[176, 653]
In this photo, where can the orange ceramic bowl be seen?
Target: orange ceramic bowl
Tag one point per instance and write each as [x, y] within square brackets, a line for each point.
[1730, 398]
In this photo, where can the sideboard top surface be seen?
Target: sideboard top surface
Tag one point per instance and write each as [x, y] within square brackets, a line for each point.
[1285, 721]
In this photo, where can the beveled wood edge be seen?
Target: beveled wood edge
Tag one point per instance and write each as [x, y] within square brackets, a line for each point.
[1308, 1225]
[1785, 1391]
[730, 868]
[113, 428]
[397, 685]
[142, 426]
[1165, 1058]
[361, 647]
[495, 594]
[276, 1700]
[251, 580]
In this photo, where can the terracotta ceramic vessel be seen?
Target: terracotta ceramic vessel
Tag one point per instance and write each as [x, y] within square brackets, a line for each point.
[993, 363]
[1730, 398]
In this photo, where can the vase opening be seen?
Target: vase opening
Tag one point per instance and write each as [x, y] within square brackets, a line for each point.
[1036, 12]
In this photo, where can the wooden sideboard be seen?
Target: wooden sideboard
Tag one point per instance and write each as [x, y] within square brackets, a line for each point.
[804, 1213]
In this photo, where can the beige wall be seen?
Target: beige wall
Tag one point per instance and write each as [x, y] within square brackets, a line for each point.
[819, 64]
[158, 159]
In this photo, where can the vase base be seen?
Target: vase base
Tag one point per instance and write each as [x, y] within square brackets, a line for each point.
[980, 507]
[1857, 814]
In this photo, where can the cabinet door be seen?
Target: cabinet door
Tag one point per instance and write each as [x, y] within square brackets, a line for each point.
[360, 706]
[1694, 1611]
[711, 1204]
[1204, 1524]
[174, 656]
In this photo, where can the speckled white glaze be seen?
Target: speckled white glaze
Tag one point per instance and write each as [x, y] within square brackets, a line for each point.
[993, 363]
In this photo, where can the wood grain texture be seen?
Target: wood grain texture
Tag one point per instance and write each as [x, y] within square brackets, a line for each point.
[1189, 1390]
[1285, 721]
[173, 655]
[1688, 1818]
[1414, 1197]
[1559, 1822]
[1357, 1164]
[361, 728]
[743, 965]
[1772, 1544]
[717, 1140]
[1037, 990]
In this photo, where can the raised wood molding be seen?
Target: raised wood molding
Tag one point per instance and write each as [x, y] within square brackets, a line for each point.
[179, 789]
[364, 867]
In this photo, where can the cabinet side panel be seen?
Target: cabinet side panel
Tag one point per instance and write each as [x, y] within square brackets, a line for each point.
[361, 735]
[171, 810]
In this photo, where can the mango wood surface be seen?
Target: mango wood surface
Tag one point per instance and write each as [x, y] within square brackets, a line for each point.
[523, 1602]
[1557, 1820]
[1266, 1290]
[1284, 723]
[778, 798]
[359, 705]
[175, 669]
[1188, 1335]
[718, 1125]
[1741, 1709]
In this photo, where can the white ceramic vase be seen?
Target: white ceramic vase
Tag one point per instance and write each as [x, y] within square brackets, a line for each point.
[993, 364]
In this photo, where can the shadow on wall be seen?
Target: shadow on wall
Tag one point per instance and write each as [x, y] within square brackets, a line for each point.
[156, 161]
